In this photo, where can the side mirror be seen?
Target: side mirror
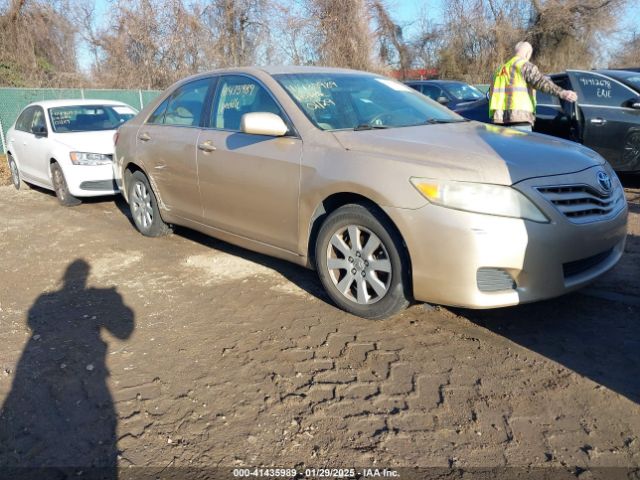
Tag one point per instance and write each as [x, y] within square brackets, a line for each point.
[488, 95]
[263, 123]
[39, 130]
[442, 100]
[634, 103]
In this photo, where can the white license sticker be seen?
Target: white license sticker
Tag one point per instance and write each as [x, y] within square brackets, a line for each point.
[395, 85]
[124, 110]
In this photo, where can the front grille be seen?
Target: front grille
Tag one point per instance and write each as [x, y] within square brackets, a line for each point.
[494, 280]
[583, 203]
[577, 267]
[96, 185]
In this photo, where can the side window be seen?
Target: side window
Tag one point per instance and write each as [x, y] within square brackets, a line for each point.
[546, 99]
[236, 96]
[157, 116]
[186, 104]
[38, 119]
[25, 120]
[432, 91]
[598, 90]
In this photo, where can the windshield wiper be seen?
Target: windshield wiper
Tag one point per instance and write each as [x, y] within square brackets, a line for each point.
[433, 121]
[366, 126]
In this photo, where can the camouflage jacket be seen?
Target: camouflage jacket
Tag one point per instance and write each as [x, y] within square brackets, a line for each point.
[536, 81]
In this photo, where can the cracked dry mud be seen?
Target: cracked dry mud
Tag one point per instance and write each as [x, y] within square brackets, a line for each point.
[237, 359]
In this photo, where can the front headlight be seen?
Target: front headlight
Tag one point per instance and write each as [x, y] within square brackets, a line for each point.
[479, 198]
[84, 158]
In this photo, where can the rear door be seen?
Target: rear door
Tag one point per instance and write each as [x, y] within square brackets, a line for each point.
[18, 142]
[166, 145]
[249, 183]
[605, 121]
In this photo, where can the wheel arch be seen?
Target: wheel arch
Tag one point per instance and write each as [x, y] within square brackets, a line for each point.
[340, 199]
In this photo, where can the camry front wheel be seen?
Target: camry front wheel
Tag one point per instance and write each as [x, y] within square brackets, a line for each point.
[361, 262]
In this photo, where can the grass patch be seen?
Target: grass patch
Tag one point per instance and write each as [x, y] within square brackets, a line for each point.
[5, 173]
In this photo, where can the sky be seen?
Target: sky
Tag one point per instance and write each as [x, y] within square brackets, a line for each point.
[405, 12]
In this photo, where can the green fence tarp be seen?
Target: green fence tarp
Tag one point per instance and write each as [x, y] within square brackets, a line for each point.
[13, 100]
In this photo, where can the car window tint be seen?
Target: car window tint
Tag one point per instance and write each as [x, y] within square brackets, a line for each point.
[185, 105]
[599, 90]
[464, 92]
[546, 99]
[236, 96]
[158, 115]
[25, 119]
[38, 119]
[432, 91]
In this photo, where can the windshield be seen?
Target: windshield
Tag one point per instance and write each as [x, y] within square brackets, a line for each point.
[464, 91]
[89, 118]
[338, 101]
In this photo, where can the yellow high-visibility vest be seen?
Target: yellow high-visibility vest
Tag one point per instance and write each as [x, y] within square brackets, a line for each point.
[510, 90]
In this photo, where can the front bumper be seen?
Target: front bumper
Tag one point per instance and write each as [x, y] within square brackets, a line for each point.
[448, 248]
[90, 180]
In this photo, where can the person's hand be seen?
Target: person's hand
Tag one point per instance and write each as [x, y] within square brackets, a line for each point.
[569, 95]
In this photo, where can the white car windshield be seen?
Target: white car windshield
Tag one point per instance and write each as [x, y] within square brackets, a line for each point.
[340, 101]
[89, 118]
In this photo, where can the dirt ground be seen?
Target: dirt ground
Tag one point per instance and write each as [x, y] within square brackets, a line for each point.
[186, 351]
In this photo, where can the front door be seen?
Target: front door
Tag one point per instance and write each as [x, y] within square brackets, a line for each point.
[249, 184]
[605, 120]
[166, 145]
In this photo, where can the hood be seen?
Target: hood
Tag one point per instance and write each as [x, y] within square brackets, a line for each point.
[93, 142]
[473, 151]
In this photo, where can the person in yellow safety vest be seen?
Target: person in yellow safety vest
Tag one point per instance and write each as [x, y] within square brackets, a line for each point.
[512, 96]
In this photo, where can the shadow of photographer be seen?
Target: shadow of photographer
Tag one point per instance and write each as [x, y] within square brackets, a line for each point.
[59, 412]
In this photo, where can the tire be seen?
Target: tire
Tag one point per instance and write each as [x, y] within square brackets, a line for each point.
[60, 187]
[16, 179]
[380, 286]
[144, 207]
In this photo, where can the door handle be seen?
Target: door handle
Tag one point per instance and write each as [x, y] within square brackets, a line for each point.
[598, 121]
[145, 137]
[206, 146]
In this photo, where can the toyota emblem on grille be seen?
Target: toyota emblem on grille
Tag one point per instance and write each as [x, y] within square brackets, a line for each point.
[604, 180]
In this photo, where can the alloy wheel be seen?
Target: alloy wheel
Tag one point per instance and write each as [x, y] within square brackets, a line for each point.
[359, 265]
[15, 174]
[141, 207]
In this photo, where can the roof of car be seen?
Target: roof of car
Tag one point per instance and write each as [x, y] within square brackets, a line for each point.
[75, 101]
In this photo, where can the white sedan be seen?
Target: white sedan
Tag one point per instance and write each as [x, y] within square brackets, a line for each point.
[67, 146]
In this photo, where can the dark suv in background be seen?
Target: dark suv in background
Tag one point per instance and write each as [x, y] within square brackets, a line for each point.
[451, 94]
[606, 116]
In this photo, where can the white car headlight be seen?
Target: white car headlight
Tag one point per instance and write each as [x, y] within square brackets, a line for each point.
[85, 158]
[483, 198]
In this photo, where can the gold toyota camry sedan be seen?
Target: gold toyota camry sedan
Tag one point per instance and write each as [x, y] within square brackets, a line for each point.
[388, 195]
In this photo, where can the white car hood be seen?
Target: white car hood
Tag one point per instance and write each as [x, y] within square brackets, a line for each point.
[92, 142]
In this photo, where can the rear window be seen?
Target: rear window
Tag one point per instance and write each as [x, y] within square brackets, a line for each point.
[89, 118]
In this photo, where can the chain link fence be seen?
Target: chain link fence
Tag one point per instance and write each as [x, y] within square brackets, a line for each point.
[13, 100]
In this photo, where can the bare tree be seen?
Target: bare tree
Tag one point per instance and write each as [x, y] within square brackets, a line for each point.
[35, 44]
[341, 33]
[393, 49]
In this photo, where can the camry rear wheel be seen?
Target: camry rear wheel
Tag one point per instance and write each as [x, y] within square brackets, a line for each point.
[60, 187]
[144, 207]
[361, 262]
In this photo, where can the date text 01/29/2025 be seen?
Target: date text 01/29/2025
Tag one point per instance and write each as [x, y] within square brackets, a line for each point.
[316, 473]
